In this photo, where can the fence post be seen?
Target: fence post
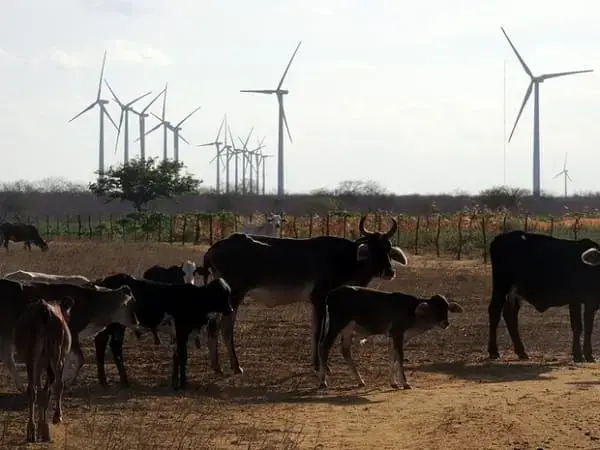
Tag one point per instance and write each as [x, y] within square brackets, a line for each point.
[171, 226]
[197, 230]
[327, 225]
[90, 229]
[68, 226]
[437, 235]
[183, 229]
[575, 228]
[310, 225]
[58, 230]
[210, 229]
[526, 222]
[551, 226]
[79, 226]
[47, 226]
[110, 225]
[345, 224]
[295, 227]
[398, 231]
[483, 227]
[417, 235]
[504, 224]
[460, 237]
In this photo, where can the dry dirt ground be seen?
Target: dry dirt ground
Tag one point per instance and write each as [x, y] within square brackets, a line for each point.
[458, 401]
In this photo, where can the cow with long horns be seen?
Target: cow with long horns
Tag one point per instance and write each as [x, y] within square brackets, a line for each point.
[280, 271]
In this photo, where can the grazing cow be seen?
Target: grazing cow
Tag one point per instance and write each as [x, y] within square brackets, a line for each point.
[43, 340]
[94, 308]
[188, 306]
[366, 311]
[271, 227]
[546, 272]
[21, 232]
[280, 271]
[21, 275]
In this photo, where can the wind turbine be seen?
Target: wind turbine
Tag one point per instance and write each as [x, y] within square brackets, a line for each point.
[125, 108]
[217, 157]
[162, 123]
[175, 129]
[142, 119]
[262, 163]
[282, 119]
[564, 172]
[234, 152]
[535, 85]
[246, 158]
[103, 111]
[258, 158]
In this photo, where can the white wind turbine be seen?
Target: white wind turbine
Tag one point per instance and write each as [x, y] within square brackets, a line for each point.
[564, 172]
[217, 157]
[258, 159]
[262, 164]
[124, 120]
[246, 158]
[142, 122]
[162, 123]
[103, 111]
[175, 129]
[282, 119]
[535, 85]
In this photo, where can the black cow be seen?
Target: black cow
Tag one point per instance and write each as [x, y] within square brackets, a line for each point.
[280, 271]
[173, 274]
[21, 232]
[366, 311]
[188, 306]
[546, 272]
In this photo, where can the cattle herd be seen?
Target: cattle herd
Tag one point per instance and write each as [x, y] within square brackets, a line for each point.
[44, 316]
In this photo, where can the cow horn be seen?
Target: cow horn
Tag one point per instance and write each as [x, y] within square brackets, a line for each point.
[392, 230]
[361, 227]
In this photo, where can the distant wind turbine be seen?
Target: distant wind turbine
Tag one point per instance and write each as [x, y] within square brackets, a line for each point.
[564, 172]
[258, 159]
[162, 123]
[535, 85]
[246, 158]
[142, 120]
[282, 119]
[103, 111]
[175, 129]
[217, 157]
[124, 117]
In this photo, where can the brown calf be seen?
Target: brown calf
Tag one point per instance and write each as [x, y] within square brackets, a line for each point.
[43, 339]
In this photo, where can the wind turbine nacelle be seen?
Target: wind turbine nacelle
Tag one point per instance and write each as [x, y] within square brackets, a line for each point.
[283, 92]
[103, 102]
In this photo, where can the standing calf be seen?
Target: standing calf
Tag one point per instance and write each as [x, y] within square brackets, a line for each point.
[43, 339]
[368, 311]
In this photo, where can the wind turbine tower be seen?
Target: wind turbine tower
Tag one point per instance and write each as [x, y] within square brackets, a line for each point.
[246, 158]
[103, 111]
[534, 85]
[282, 120]
[163, 123]
[217, 157]
[564, 172]
[125, 108]
[176, 129]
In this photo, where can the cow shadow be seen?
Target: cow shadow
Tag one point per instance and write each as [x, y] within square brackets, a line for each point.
[487, 371]
[13, 401]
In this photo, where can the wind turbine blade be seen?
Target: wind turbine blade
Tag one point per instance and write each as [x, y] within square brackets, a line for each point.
[184, 139]
[84, 111]
[101, 76]
[105, 111]
[241, 142]
[157, 126]
[164, 101]
[152, 101]
[288, 66]
[285, 121]
[158, 118]
[260, 144]
[212, 160]
[220, 128]
[119, 130]
[205, 145]
[557, 175]
[569, 177]
[264, 91]
[232, 140]
[113, 94]
[188, 116]
[565, 164]
[527, 95]
[562, 74]
[139, 98]
[248, 138]
[517, 53]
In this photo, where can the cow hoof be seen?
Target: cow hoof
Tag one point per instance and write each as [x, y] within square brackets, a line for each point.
[494, 355]
[590, 358]
[361, 384]
[323, 385]
[57, 419]
[578, 359]
[523, 356]
[394, 385]
[406, 386]
[238, 371]
[217, 371]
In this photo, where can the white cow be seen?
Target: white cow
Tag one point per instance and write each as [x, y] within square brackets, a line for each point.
[189, 269]
[21, 275]
[272, 226]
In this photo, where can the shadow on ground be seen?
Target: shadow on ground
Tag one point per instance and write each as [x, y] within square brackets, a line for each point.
[493, 371]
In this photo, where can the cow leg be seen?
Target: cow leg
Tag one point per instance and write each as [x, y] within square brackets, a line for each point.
[318, 314]
[100, 342]
[59, 387]
[31, 401]
[44, 400]
[346, 345]
[511, 318]
[495, 313]
[180, 356]
[116, 348]
[326, 340]
[392, 363]
[398, 346]
[227, 328]
[213, 345]
[589, 313]
[576, 328]
[8, 356]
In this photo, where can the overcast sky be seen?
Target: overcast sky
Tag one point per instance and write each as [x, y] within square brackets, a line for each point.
[409, 96]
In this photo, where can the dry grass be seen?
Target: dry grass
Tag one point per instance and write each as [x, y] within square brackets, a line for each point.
[459, 400]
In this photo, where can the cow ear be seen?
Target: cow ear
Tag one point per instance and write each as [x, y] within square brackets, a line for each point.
[591, 257]
[455, 307]
[362, 252]
[422, 309]
[398, 255]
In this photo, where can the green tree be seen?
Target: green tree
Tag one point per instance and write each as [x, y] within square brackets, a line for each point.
[143, 180]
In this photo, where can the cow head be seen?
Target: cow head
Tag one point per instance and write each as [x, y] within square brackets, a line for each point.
[376, 249]
[189, 270]
[125, 314]
[591, 257]
[434, 311]
[42, 245]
